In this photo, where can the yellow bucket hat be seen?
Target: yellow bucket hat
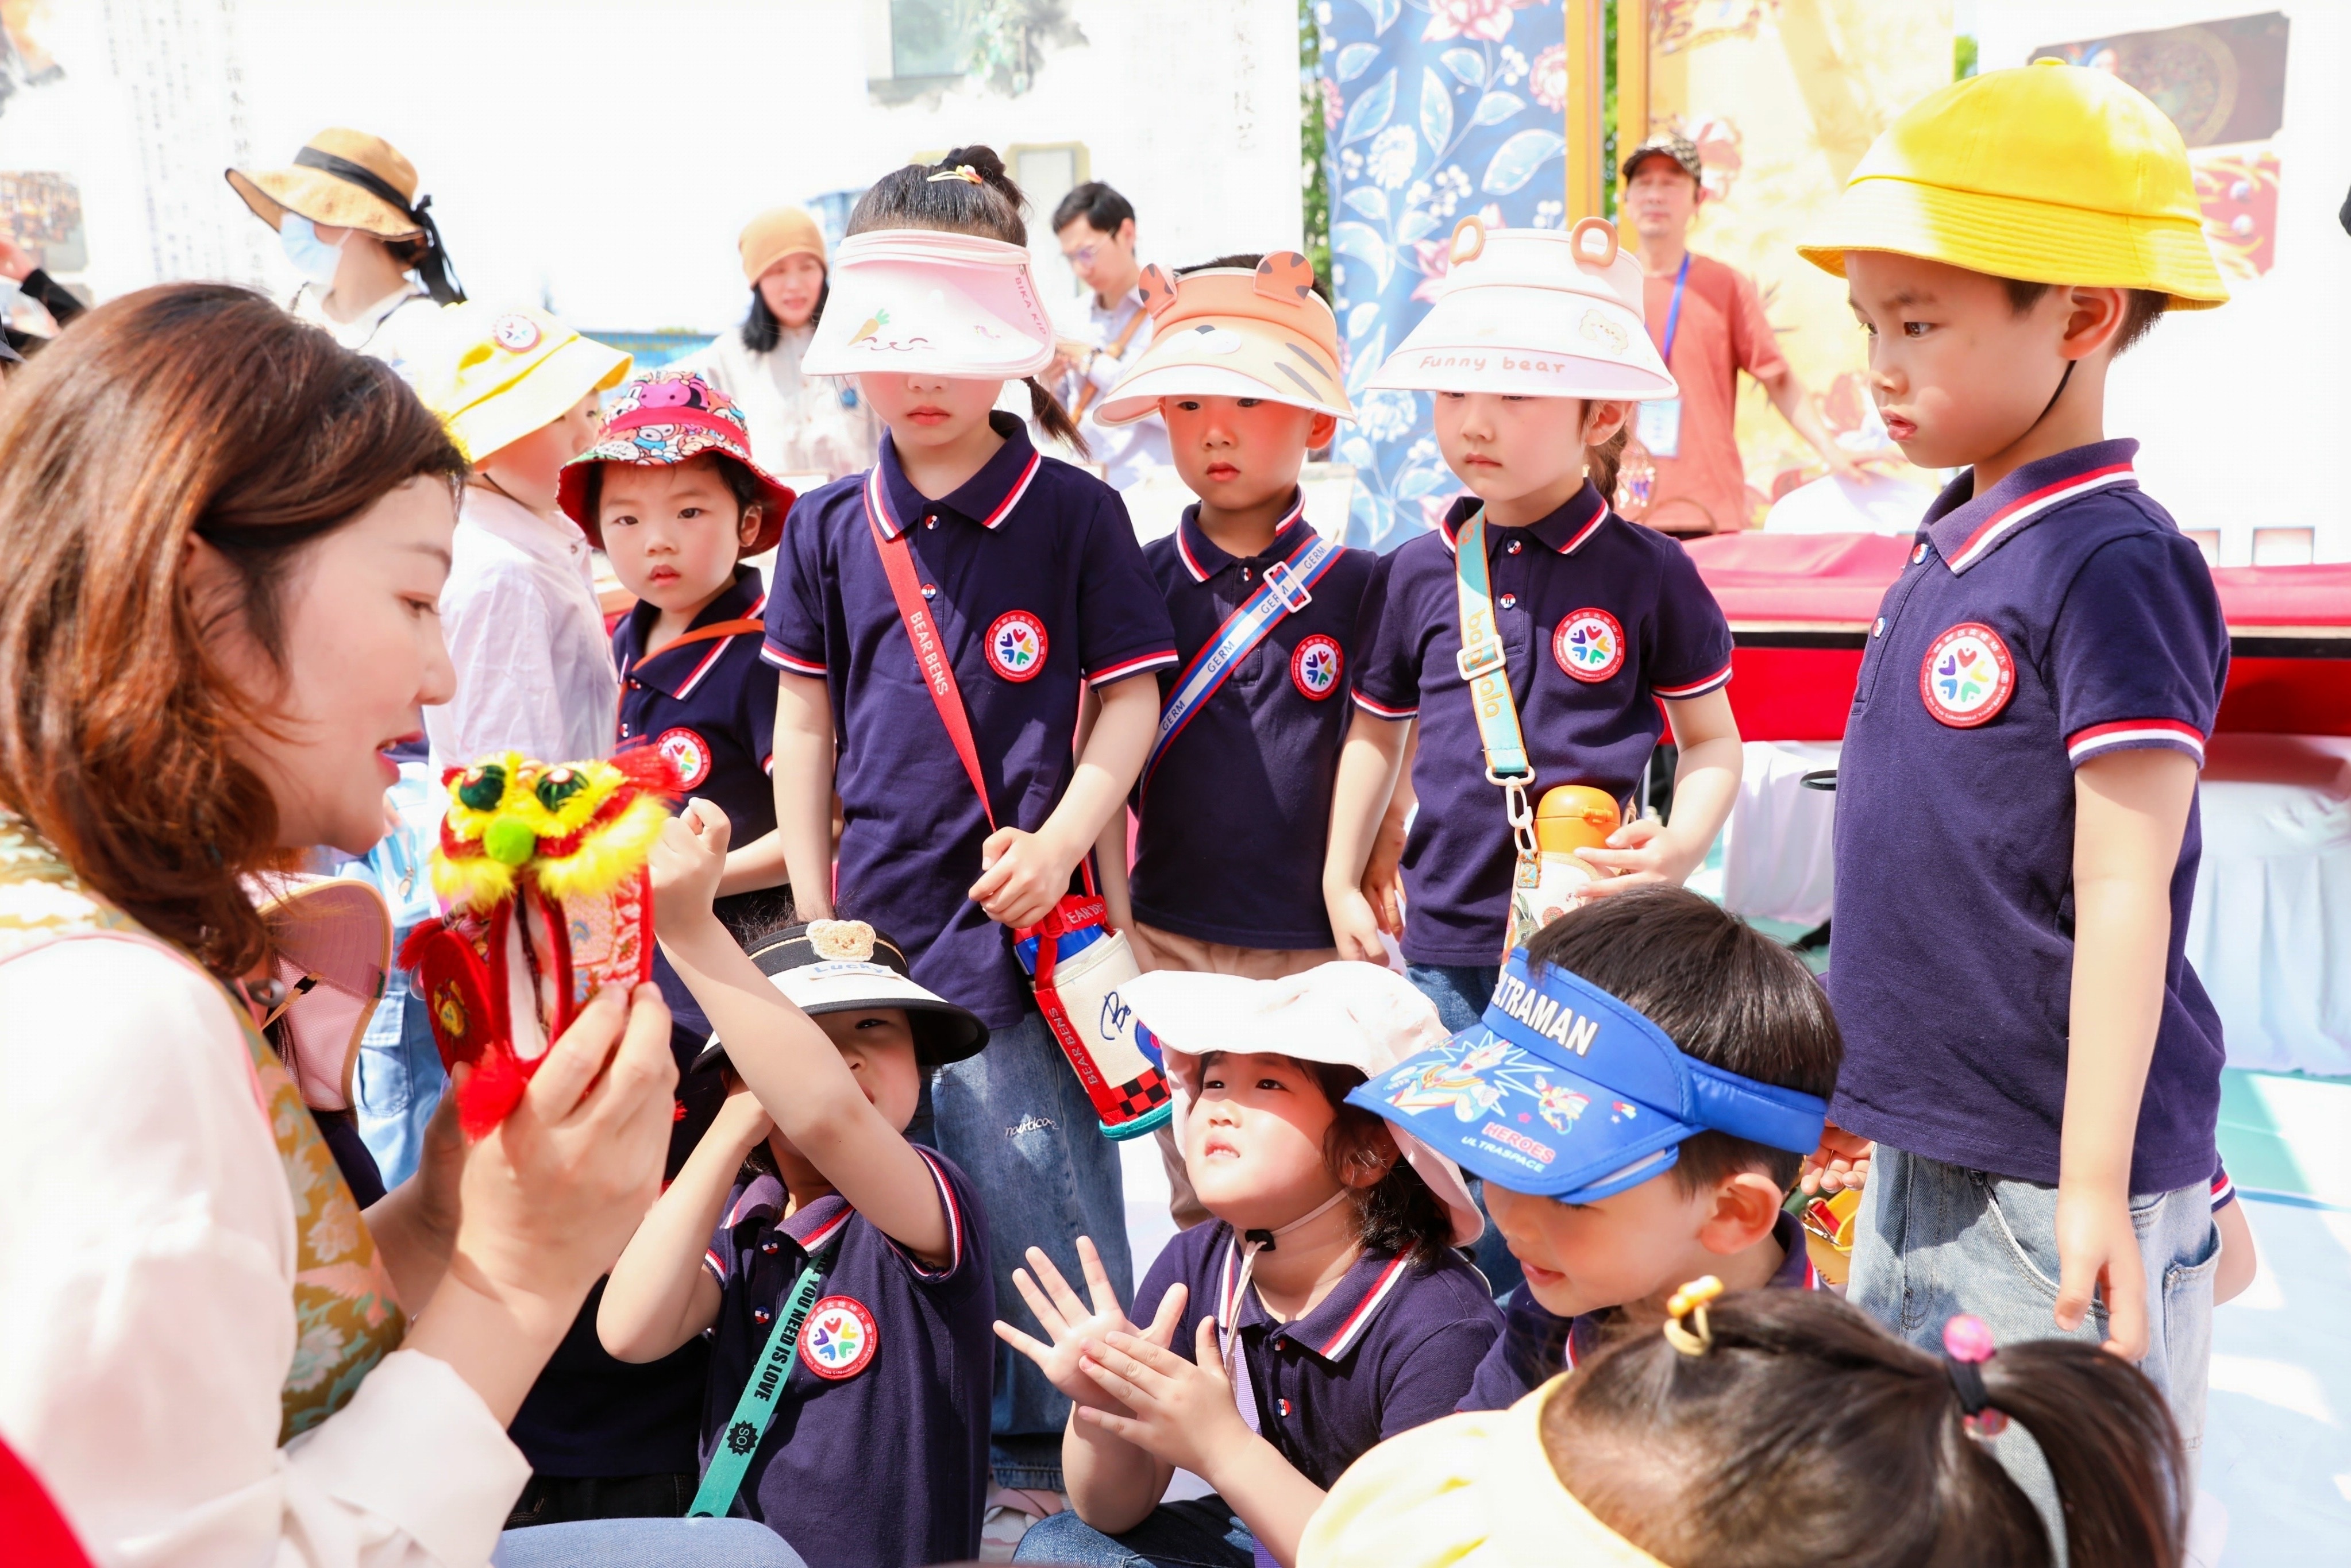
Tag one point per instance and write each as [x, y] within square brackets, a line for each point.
[1474, 1490]
[314, 190]
[498, 374]
[775, 233]
[2047, 173]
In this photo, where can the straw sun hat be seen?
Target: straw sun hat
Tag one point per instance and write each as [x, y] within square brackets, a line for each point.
[320, 186]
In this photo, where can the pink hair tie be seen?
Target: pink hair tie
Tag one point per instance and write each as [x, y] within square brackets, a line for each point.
[1967, 1344]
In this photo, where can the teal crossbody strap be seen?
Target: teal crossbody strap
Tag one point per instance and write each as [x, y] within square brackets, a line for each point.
[757, 1408]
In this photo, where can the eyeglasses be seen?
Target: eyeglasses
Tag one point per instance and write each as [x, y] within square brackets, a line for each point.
[1084, 255]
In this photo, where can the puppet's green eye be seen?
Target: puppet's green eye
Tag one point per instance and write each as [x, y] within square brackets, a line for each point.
[483, 787]
[560, 784]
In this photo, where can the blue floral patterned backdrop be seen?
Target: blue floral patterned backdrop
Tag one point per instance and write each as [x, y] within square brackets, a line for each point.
[1436, 110]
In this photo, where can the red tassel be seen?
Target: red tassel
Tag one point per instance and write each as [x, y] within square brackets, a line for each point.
[650, 769]
[412, 951]
[491, 1093]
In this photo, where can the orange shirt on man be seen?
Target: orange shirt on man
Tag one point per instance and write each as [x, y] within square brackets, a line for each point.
[1722, 331]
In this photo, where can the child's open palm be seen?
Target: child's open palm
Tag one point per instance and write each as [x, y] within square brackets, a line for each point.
[686, 862]
[1182, 1412]
[1071, 1323]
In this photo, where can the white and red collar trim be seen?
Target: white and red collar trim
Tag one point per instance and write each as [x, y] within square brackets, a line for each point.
[1191, 558]
[877, 496]
[1350, 1329]
[2006, 519]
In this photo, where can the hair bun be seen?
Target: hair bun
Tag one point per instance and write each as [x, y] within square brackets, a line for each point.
[983, 161]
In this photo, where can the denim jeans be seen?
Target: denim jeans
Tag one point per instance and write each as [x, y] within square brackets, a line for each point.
[1461, 991]
[646, 1544]
[1018, 1121]
[399, 1078]
[1199, 1533]
[1935, 1240]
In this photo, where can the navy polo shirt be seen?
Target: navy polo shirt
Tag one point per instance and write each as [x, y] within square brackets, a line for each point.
[711, 707]
[1041, 591]
[877, 1456]
[1392, 1347]
[1598, 617]
[1235, 817]
[1537, 1345]
[2060, 618]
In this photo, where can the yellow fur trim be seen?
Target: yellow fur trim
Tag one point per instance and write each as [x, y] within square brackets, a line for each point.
[608, 856]
[471, 884]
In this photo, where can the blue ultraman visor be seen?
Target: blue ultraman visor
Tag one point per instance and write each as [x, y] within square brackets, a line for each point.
[1561, 1090]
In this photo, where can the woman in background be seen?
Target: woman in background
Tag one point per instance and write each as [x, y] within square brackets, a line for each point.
[800, 424]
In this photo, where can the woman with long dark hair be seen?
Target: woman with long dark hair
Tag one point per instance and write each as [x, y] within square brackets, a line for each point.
[801, 425]
[223, 539]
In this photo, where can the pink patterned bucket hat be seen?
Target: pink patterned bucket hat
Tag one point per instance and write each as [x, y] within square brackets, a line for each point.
[669, 417]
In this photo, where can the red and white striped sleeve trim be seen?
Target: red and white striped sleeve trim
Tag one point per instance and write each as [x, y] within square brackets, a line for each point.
[783, 660]
[1135, 666]
[1698, 687]
[956, 1224]
[715, 1264]
[2224, 1191]
[2125, 733]
[1381, 710]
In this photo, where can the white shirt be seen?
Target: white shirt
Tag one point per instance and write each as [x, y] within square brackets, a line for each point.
[534, 666]
[147, 1259]
[1126, 453]
[800, 424]
[394, 329]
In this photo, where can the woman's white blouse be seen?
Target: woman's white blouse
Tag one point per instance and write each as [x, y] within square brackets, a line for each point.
[147, 1256]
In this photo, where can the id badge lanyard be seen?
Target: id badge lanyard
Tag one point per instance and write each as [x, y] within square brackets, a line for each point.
[757, 1408]
[1659, 422]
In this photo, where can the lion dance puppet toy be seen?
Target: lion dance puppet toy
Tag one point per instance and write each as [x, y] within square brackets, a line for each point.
[541, 869]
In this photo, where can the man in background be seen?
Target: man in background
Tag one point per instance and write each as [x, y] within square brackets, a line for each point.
[1095, 227]
[1709, 323]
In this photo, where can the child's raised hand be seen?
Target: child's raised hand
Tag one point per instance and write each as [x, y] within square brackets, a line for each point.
[686, 862]
[742, 1121]
[1070, 1322]
[1025, 877]
[1183, 1411]
[1840, 1162]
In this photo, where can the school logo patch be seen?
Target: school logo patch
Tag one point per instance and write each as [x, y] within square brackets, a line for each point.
[515, 332]
[688, 751]
[1589, 644]
[1967, 676]
[1016, 646]
[1314, 666]
[842, 1338]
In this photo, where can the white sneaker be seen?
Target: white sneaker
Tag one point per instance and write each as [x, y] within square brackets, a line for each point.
[1009, 1514]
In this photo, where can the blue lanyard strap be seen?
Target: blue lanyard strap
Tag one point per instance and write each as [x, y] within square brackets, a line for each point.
[753, 1412]
[1673, 312]
[1285, 590]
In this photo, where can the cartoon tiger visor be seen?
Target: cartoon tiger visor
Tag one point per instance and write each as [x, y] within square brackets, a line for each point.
[1230, 332]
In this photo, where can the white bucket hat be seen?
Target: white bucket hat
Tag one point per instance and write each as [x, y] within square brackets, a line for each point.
[1534, 313]
[932, 303]
[1347, 1014]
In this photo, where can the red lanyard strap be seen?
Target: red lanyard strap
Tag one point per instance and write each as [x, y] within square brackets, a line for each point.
[930, 650]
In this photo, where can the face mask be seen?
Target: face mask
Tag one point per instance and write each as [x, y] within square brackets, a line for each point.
[313, 257]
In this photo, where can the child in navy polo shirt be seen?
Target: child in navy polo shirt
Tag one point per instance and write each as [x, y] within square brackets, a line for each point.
[972, 783]
[1539, 659]
[673, 498]
[2016, 830]
[867, 1446]
[1234, 805]
[1591, 1098]
[1325, 1311]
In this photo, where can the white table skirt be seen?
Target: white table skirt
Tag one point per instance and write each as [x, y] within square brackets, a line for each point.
[2271, 931]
